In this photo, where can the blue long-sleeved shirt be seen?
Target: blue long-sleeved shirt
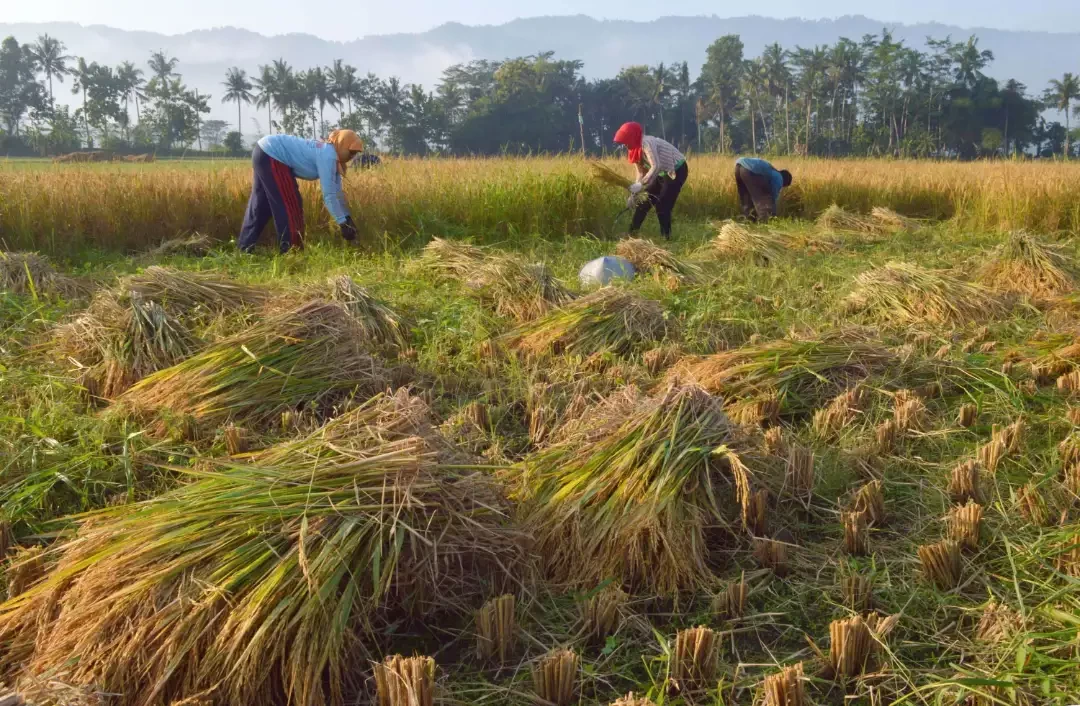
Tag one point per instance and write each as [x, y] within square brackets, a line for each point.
[763, 168]
[310, 160]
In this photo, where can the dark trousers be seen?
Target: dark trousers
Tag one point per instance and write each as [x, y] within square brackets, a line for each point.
[662, 193]
[274, 193]
[755, 195]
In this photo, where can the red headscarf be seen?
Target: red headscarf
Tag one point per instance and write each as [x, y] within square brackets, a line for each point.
[630, 134]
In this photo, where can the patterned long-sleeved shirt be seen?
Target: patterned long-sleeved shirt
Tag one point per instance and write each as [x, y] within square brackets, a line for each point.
[662, 156]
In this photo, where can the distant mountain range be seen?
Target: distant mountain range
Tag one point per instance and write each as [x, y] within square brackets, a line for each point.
[605, 46]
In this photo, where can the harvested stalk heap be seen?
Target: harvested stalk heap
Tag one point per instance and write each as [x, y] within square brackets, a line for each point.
[185, 291]
[312, 356]
[376, 321]
[733, 240]
[803, 374]
[649, 257]
[629, 493]
[901, 293]
[219, 575]
[609, 319]
[506, 282]
[31, 273]
[1025, 265]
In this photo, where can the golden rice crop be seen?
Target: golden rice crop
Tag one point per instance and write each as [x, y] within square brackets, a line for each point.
[609, 319]
[606, 175]
[629, 493]
[236, 583]
[1025, 265]
[902, 293]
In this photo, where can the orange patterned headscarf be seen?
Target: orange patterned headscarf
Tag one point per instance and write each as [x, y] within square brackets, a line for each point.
[347, 144]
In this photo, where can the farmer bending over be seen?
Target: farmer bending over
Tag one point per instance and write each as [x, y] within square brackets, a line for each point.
[759, 187]
[661, 172]
[278, 161]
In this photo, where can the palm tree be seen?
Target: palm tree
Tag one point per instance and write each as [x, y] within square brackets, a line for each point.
[129, 81]
[162, 65]
[1060, 96]
[266, 85]
[237, 88]
[322, 91]
[811, 64]
[49, 58]
[83, 74]
[343, 82]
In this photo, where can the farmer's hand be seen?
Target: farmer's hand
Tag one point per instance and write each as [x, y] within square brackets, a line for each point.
[636, 188]
[348, 229]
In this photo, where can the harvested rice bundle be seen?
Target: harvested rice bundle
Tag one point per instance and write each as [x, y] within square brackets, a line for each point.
[31, 273]
[763, 410]
[733, 240]
[695, 659]
[649, 257]
[24, 569]
[628, 494]
[309, 356]
[450, 258]
[786, 687]
[405, 681]
[609, 319]
[891, 221]
[184, 291]
[555, 677]
[194, 245]
[836, 219]
[1025, 265]
[241, 575]
[659, 359]
[901, 293]
[606, 175]
[802, 373]
[376, 321]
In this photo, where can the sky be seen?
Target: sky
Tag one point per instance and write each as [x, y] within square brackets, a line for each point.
[352, 19]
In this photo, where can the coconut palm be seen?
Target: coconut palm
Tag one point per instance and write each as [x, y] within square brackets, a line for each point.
[343, 82]
[83, 74]
[130, 82]
[49, 58]
[1060, 96]
[237, 88]
[266, 85]
[162, 65]
[322, 90]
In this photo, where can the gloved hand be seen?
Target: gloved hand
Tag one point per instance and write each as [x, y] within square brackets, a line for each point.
[636, 188]
[348, 229]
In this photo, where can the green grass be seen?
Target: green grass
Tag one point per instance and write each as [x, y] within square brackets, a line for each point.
[58, 456]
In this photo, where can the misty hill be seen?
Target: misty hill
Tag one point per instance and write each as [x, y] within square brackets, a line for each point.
[604, 46]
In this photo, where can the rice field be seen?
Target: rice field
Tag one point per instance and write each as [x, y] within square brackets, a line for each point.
[831, 461]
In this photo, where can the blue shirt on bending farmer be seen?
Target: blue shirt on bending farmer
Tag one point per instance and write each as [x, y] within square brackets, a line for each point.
[763, 168]
[310, 160]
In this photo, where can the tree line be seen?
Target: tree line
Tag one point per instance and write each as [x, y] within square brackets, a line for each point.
[875, 96]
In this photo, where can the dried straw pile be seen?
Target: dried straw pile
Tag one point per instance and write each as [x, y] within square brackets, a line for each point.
[649, 257]
[237, 585]
[1025, 265]
[733, 240]
[901, 293]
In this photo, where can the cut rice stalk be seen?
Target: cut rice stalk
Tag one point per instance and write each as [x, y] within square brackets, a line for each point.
[601, 613]
[771, 554]
[496, 629]
[836, 219]
[799, 474]
[786, 687]
[555, 677]
[1033, 505]
[998, 623]
[858, 591]
[631, 700]
[1025, 265]
[609, 319]
[892, 221]
[840, 412]
[405, 681]
[963, 524]
[964, 482]
[870, 499]
[967, 415]
[186, 291]
[856, 534]
[730, 604]
[756, 513]
[941, 563]
[853, 646]
[991, 453]
[695, 659]
[902, 294]
[659, 359]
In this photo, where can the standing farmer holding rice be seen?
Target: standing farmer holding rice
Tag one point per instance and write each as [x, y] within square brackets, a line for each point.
[278, 161]
[759, 186]
[661, 170]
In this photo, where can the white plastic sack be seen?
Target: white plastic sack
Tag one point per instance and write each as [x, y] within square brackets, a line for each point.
[602, 270]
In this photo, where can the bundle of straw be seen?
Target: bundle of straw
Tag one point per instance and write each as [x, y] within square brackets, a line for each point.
[901, 293]
[450, 258]
[309, 356]
[606, 175]
[891, 221]
[799, 474]
[242, 574]
[187, 291]
[405, 681]
[609, 319]
[377, 321]
[629, 492]
[836, 219]
[1025, 265]
[31, 273]
[802, 373]
[555, 677]
[649, 257]
[194, 245]
[733, 240]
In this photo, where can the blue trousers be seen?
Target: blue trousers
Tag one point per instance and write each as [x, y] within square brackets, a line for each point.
[274, 193]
